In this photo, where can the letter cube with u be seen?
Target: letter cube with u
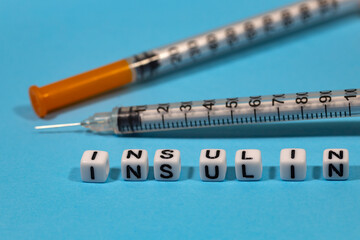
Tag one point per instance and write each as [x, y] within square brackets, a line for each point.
[135, 165]
[212, 165]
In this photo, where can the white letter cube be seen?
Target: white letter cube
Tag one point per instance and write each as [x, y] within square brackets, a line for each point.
[135, 165]
[336, 164]
[94, 166]
[167, 165]
[248, 165]
[212, 165]
[293, 164]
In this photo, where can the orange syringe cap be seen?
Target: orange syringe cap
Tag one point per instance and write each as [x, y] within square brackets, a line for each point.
[80, 87]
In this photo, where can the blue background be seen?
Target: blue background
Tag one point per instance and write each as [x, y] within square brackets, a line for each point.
[41, 193]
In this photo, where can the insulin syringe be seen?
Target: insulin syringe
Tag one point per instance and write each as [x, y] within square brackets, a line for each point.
[190, 51]
[224, 112]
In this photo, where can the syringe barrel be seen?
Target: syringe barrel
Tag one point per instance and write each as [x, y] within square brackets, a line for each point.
[194, 50]
[237, 36]
[237, 111]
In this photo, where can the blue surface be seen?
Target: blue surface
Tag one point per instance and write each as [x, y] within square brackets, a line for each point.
[41, 194]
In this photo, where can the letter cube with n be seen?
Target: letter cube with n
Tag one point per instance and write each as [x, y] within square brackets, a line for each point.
[248, 165]
[212, 165]
[167, 165]
[135, 165]
[94, 166]
[336, 164]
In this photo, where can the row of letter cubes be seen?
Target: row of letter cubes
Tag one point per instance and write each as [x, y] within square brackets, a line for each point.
[248, 165]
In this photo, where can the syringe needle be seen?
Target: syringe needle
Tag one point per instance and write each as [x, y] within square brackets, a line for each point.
[58, 125]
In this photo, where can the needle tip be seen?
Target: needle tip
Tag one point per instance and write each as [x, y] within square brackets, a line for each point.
[57, 125]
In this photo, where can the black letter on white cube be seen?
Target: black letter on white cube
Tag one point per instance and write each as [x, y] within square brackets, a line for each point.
[135, 165]
[212, 165]
[336, 164]
[293, 164]
[94, 166]
[248, 165]
[167, 165]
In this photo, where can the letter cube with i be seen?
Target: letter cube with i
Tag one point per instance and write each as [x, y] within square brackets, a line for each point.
[212, 165]
[293, 164]
[94, 166]
[248, 165]
[135, 165]
[336, 164]
[167, 165]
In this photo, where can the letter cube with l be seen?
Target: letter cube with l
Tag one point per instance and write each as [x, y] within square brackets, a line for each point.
[167, 165]
[94, 166]
[293, 164]
[135, 165]
[336, 164]
[212, 165]
[248, 165]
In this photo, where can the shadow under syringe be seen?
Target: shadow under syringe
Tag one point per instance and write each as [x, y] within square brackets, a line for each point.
[266, 130]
